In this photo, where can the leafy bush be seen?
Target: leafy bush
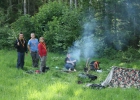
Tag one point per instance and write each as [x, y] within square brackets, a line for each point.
[24, 24]
[55, 21]
[63, 31]
[4, 31]
[130, 55]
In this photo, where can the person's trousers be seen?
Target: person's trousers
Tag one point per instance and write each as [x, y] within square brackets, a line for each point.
[35, 58]
[42, 62]
[69, 66]
[20, 60]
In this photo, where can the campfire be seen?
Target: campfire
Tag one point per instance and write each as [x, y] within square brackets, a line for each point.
[94, 65]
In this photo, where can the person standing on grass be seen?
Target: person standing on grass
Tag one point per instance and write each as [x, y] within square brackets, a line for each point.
[42, 53]
[21, 46]
[33, 48]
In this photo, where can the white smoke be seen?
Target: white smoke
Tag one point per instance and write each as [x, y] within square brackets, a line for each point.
[85, 46]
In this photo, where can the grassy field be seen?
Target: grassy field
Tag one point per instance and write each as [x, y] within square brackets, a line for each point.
[57, 85]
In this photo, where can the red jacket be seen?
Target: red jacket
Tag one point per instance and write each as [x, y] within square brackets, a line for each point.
[42, 49]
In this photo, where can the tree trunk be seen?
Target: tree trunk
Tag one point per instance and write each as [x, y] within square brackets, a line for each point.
[71, 3]
[10, 5]
[115, 19]
[81, 4]
[134, 26]
[10, 2]
[90, 5]
[75, 3]
[25, 10]
[34, 10]
[28, 6]
[90, 2]
[18, 5]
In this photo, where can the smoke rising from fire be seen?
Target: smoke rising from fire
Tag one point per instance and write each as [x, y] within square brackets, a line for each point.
[114, 31]
[85, 46]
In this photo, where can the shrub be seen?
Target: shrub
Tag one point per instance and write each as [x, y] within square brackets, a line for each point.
[4, 31]
[55, 21]
[24, 24]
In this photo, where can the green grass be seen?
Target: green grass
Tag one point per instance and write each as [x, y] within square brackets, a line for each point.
[57, 85]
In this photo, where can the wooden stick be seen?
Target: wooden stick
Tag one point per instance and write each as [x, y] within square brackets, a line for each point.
[87, 65]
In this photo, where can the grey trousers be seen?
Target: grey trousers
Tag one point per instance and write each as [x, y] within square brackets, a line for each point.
[35, 58]
[42, 62]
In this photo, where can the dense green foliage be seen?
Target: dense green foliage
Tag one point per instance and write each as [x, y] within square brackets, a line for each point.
[53, 20]
[57, 85]
[116, 23]
[4, 30]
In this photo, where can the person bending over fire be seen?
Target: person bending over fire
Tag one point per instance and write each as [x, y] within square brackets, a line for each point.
[94, 65]
[70, 63]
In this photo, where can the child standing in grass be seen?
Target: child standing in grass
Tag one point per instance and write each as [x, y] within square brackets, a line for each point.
[42, 49]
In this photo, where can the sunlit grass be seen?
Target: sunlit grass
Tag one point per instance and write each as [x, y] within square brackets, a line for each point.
[57, 85]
